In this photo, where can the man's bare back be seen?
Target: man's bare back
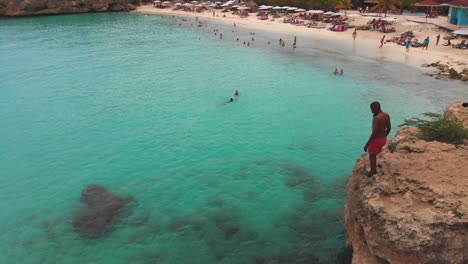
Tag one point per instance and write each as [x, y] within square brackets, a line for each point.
[381, 125]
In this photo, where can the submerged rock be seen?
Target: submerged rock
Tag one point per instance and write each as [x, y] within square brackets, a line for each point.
[100, 212]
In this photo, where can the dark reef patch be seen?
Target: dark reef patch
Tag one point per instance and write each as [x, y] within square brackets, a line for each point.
[100, 212]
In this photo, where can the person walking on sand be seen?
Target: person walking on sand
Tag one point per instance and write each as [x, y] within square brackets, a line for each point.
[437, 40]
[382, 41]
[426, 43]
[381, 127]
[354, 34]
[408, 44]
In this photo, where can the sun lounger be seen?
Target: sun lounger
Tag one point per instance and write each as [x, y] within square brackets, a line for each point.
[461, 45]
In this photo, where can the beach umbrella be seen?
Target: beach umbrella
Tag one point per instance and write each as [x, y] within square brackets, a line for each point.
[410, 24]
[166, 2]
[194, 2]
[204, 3]
[243, 8]
[219, 3]
[300, 10]
[338, 14]
[292, 9]
[463, 32]
[316, 11]
[354, 15]
[178, 4]
[329, 13]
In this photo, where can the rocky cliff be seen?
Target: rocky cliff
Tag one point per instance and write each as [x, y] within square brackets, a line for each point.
[16, 8]
[415, 210]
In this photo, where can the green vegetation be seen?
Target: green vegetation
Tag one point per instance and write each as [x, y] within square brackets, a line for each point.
[439, 128]
[393, 146]
[456, 212]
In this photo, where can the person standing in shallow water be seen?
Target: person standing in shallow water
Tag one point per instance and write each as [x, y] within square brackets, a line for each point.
[381, 127]
[382, 41]
[354, 34]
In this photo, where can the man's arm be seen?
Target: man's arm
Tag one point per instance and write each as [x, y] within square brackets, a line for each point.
[374, 127]
[389, 125]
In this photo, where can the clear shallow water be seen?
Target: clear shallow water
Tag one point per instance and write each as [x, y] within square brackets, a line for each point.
[134, 103]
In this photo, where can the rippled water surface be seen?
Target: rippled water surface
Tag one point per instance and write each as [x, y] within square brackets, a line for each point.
[134, 103]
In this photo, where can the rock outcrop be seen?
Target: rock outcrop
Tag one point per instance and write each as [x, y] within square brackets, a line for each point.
[415, 210]
[100, 212]
[17, 8]
[446, 71]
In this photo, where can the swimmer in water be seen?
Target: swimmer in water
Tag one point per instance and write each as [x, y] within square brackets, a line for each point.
[236, 93]
[341, 72]
[229, 101]
[248, 44]
[335, 72]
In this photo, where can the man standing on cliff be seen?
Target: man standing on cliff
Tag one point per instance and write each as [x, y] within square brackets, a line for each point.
[381, 127]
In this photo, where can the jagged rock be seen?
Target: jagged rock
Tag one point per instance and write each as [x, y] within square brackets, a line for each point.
[100, 211]
[55, 7]
[459, 110]
[454, 74]
[415, 210]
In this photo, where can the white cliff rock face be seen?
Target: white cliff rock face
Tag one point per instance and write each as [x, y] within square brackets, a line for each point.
[415, 210]
[15, 8]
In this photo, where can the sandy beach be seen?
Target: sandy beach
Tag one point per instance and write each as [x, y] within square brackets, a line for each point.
[367, 41]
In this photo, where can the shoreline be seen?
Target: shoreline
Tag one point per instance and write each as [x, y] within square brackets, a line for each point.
[368, 41]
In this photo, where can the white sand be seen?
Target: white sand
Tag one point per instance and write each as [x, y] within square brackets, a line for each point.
[368, 41]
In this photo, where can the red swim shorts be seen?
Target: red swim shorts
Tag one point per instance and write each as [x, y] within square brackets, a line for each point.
[375, 146]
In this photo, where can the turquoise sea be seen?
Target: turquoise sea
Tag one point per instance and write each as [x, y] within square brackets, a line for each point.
[134, 103]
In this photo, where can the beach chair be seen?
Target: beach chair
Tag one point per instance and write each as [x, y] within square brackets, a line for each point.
[461, 45]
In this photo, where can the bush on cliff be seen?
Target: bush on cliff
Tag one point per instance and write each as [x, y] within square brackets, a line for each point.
[439, 128]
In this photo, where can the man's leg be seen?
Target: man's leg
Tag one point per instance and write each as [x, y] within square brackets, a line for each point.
[373, 164]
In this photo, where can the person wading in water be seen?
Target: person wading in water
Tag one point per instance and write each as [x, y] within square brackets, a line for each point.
[381, 127]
